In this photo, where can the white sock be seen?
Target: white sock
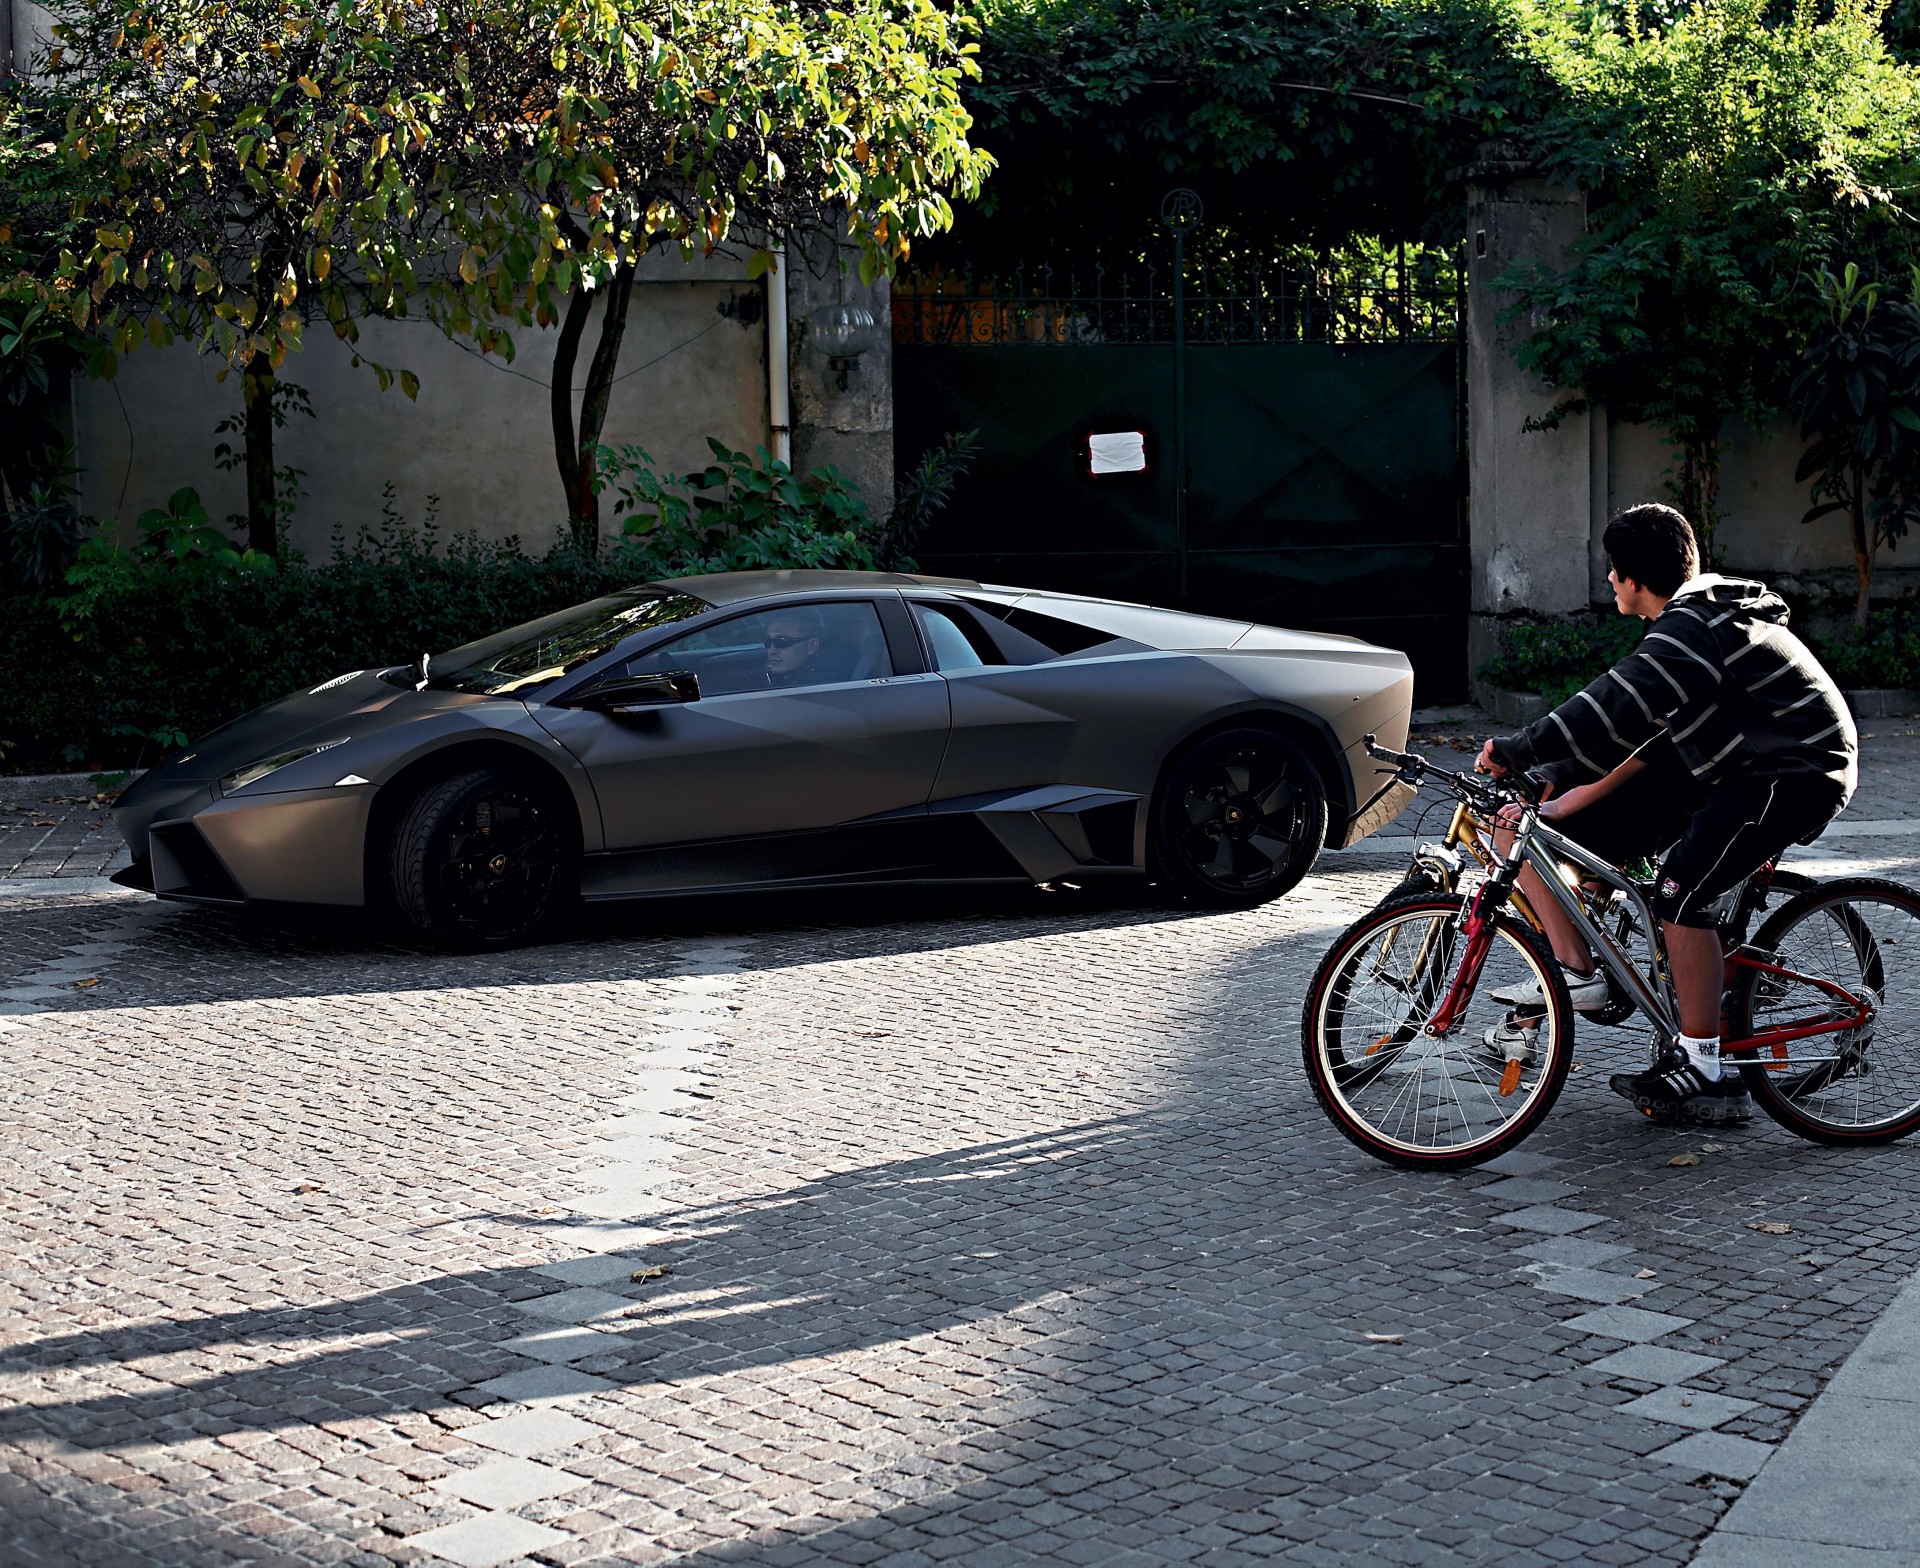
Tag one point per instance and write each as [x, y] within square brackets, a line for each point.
[1704, 1052]
[1578, 975]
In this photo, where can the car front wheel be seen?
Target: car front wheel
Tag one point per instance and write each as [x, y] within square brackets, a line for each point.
[1239, 819]
[484, 859]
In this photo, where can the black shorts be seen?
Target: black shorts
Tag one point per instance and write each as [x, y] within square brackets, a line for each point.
[1725, 833]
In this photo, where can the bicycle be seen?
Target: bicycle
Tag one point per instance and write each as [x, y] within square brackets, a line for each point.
[1392, 1028]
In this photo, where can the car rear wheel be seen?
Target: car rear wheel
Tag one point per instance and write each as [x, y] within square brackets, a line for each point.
[485, 859]
[1239, 819]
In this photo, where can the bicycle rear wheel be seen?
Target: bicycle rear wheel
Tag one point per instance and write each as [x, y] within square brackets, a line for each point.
[1852, 1086]
[1418, 1100]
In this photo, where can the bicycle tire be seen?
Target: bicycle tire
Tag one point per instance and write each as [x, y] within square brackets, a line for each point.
[1801, 1101]
[1341, 1075]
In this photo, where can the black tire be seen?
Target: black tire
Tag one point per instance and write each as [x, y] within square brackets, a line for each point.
[1346, 1053]
[1869, 1091]
[485, 859]
[1240, 817]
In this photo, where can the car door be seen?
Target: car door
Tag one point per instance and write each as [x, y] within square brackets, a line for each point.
[803, 723]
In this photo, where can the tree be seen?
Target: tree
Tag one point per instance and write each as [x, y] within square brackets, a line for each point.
[1724, 156]
[270, 163]
[1856, 398]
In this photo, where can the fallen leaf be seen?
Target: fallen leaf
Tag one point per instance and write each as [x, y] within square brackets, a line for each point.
[1771, 1227]
[546, 1211]
[95, 980]
[1643, 1274]
[1711, 1148]
[1814, 1261]
[45, 824]
[1684, 1159]
[651, 1271]
[1386, 1339]
[309, 1186]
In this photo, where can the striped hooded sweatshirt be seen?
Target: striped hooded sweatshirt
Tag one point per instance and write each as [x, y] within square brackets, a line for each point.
[1719, 672]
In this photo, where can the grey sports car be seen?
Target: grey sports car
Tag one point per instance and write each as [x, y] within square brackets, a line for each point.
[779, 729]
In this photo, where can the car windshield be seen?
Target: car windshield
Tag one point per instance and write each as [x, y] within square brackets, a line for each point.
[515, 661]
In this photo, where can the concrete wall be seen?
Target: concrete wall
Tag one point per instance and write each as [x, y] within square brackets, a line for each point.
[1531, 490]
[479, 437]
[1541, 499]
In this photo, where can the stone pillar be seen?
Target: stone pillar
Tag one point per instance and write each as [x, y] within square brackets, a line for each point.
[1531, 490]
[851, 429]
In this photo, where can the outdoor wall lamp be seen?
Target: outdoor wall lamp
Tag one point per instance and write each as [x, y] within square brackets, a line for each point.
[842, 333]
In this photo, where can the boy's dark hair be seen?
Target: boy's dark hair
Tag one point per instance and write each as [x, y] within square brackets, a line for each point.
[1654, 545]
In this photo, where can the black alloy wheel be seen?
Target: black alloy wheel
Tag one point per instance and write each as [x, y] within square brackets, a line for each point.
[1240, 818]
[484, 859]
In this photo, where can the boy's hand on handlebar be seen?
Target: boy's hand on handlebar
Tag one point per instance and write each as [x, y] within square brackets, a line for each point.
[1485, 763]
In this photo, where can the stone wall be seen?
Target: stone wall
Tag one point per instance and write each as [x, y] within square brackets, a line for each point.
[1540, 500]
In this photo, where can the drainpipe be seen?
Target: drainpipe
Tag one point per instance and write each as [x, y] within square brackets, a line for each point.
[779, 399]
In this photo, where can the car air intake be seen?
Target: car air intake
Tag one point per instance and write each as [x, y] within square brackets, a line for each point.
[185, 866]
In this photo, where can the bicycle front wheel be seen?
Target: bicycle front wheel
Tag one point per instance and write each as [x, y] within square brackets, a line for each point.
[1435, 1101]
[1856, 1085]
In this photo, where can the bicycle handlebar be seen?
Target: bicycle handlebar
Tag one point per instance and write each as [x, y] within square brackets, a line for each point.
[1526, 789]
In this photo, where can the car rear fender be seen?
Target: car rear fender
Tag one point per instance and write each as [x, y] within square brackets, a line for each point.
[1311, 733]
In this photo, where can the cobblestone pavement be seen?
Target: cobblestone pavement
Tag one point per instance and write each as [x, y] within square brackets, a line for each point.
[56, 827]
[984, 1229]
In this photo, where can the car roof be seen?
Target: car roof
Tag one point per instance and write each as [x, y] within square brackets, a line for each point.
[719, 588]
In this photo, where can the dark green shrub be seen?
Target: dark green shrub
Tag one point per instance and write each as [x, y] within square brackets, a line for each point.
[1884, 652]
[155, 645]
[1557, 658]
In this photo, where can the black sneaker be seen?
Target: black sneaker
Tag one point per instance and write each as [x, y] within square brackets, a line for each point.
[1677, 1091]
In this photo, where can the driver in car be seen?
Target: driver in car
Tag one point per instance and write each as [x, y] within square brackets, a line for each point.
[792, 642]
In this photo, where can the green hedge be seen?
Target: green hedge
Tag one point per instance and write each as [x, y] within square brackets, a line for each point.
[168, 657]
[1884, 652]
[157, 643]
[1558, 658]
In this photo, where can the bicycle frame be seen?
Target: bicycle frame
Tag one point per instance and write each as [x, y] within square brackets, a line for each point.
[1540, 847]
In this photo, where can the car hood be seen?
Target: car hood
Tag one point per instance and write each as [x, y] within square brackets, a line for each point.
[347, 706]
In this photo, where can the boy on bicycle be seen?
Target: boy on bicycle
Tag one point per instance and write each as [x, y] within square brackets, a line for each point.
[1720, 730]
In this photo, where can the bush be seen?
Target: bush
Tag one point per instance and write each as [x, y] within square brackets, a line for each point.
[1557, 658]
[162, 642]
[1884, 652]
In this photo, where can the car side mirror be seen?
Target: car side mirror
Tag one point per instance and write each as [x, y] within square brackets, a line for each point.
[637, 693]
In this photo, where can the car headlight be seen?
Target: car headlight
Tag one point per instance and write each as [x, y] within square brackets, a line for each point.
[253, 772]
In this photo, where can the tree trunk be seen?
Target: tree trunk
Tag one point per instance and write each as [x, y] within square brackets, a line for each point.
[1862, 545]
[257, 384]
[1700, 493]
[583, 511]
[599, 388]
[575, 445]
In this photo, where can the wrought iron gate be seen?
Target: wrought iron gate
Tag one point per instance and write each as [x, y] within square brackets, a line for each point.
[1301, 457]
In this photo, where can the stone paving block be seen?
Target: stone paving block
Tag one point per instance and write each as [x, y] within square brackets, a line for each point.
[1843, 1477]
[1724, 1549]
[508, 1483]
[1655, 1364]
[621, 1205]
[1525, 1191]
[529, 1433]
[1687, 1407]
[1549, 1220]
[487, 1541]
[1630, 1323]
[542, 1385]
[1715, 1453]
[1575, 1252]
[580, 1305]
[561, 1344]
[1590, 1284]
[593, 1269]
[612, 1235]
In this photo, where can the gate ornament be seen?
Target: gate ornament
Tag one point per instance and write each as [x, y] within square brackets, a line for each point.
[1182, 209]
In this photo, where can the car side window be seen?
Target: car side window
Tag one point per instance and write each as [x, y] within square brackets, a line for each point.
[955, 645]
[775, 650]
